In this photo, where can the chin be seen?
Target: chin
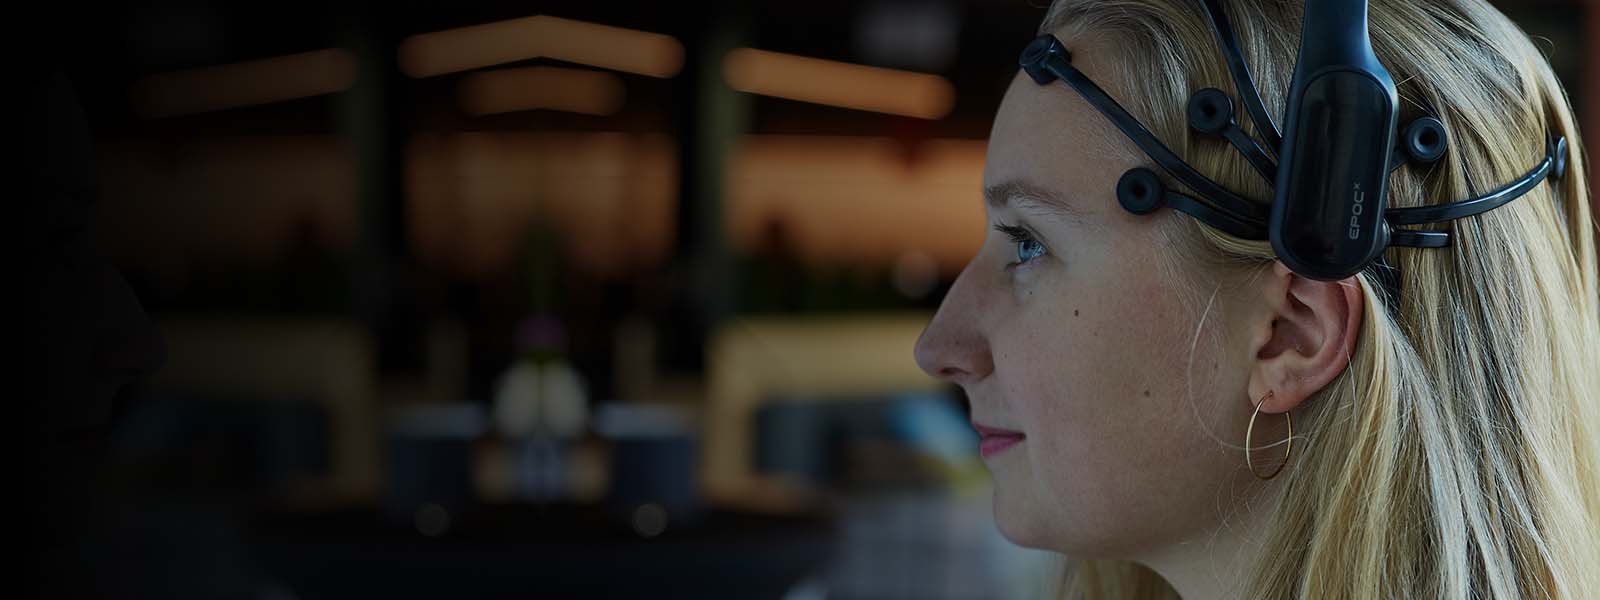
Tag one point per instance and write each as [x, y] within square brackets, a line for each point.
[1020, 536]
[1016, 522]
[1024, 522]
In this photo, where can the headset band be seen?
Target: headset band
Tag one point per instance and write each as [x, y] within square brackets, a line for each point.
[1046, 60]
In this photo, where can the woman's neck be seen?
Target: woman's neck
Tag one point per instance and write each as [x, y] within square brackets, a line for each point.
[1217, 564]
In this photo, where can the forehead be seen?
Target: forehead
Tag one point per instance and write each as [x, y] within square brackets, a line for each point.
[1049, 136]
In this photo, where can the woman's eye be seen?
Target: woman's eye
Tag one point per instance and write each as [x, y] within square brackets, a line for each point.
[1028, 247]
[1028, 250]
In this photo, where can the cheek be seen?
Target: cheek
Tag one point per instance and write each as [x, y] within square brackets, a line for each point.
[1114, 446]
[1088, 364]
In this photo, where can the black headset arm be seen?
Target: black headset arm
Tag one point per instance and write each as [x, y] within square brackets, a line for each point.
[1554, 165]
[1242, 80]
[1046, 60]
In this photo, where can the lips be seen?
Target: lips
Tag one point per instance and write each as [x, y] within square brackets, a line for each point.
[993, 440]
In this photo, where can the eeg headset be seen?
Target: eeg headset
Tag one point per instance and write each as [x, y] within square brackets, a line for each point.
[1328, 169]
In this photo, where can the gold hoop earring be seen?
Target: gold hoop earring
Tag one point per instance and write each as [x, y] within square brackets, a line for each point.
[1250, 429]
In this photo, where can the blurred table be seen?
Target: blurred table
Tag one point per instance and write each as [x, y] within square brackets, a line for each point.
[539, 551]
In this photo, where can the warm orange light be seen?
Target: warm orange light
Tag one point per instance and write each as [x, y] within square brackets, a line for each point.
[478, 46]
[530, 88]
[612, 196]
[245, 84]
[856, 200]
[838, 84]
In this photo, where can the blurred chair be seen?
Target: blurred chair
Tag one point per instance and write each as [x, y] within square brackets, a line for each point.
[329, 363]
[751, 361]
[839, 406]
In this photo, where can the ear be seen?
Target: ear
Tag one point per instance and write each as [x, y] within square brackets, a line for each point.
[1303, 337]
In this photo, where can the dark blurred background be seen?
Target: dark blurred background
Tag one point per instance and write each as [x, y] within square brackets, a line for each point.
[518, 299]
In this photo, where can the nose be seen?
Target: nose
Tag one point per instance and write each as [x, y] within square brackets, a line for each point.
[954, 347]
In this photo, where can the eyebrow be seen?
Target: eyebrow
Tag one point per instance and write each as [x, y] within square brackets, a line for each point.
[1003, 193]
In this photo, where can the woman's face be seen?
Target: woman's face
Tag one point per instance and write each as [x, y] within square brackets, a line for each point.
[1063, 330]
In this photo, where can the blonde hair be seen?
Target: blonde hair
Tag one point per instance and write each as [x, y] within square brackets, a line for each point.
[1458, 455]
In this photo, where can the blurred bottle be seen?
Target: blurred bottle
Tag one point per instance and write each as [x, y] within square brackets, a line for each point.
[541, 409]
[541, 405]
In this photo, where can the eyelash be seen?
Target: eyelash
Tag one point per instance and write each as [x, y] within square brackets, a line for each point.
[1020, 236]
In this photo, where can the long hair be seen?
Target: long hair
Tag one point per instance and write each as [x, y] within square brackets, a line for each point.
[1458, 455]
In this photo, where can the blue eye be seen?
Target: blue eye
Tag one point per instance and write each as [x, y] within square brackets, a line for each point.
[1028, 248]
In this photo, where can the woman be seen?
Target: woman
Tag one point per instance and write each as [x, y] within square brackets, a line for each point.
[1444, 445]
